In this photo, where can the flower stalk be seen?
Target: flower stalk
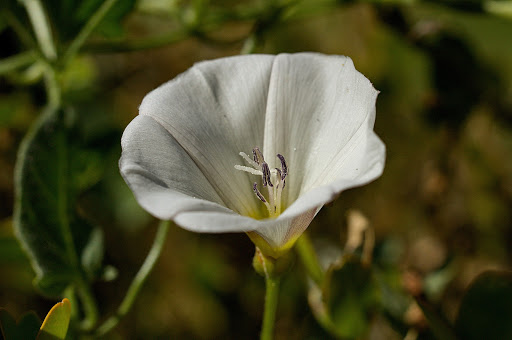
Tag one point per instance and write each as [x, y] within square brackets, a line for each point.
[272, 269]
[270, 311]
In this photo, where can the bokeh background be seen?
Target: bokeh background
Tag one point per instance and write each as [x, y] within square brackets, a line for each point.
[441, 212]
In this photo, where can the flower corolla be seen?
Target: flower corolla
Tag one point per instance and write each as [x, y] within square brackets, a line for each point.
[254, 144]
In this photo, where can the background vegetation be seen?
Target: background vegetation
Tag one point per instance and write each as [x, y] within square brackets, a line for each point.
[441, 212]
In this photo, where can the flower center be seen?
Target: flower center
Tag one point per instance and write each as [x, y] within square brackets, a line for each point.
[273, 179]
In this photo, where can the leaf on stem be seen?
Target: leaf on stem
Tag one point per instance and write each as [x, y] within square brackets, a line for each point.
[51, 170]
[55, 325]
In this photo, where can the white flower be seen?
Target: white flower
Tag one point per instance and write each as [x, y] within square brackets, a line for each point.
[184, 155]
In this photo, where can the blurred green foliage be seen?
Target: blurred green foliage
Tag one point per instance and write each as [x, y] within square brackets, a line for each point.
[26, 327]
[441, 212]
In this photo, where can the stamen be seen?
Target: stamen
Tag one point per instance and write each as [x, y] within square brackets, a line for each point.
[278, 199]
[250, 161]
[274, 180]
[271, 200]
[260, 196]
[279, 176]
[257, 156]
[249, 170]
[258, 193]
[284, 168]
[266, 175]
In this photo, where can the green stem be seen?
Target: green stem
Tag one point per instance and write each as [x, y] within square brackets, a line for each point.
[249, 44]
[17, 61]
[138, 281]
[269, 313]
[53, 91]
[41, 28]
[309, 259]
[88, 28]
[89, 305]
[70, 294]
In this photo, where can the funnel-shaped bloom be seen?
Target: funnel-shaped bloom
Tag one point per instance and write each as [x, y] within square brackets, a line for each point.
[306, 120]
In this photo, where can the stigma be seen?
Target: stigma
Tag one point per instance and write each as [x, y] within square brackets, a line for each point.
[273, 179]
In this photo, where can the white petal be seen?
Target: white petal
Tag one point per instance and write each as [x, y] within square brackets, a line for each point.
[366, 166]
[320, 115]
[215, 110]
[276, 232]
[161, 174]
[285, 228]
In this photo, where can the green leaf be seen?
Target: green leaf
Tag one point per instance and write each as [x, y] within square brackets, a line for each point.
[486, 308]
[55, 325]
[48, 180]
[25, 329]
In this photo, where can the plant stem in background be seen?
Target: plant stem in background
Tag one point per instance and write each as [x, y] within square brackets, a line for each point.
[53, 91]
[42, 31]
[41, 28]
[88, 28]
[249, 45]
[309, 258]
[138, 281]
[89, 305]
[17, 61]
[269, 313]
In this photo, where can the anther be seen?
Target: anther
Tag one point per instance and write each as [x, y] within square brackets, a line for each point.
[266, 175]
[284, 168]
[279, 174]
[258, 193]
[257, 155]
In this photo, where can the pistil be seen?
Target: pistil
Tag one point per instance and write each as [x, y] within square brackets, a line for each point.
[274, 180]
